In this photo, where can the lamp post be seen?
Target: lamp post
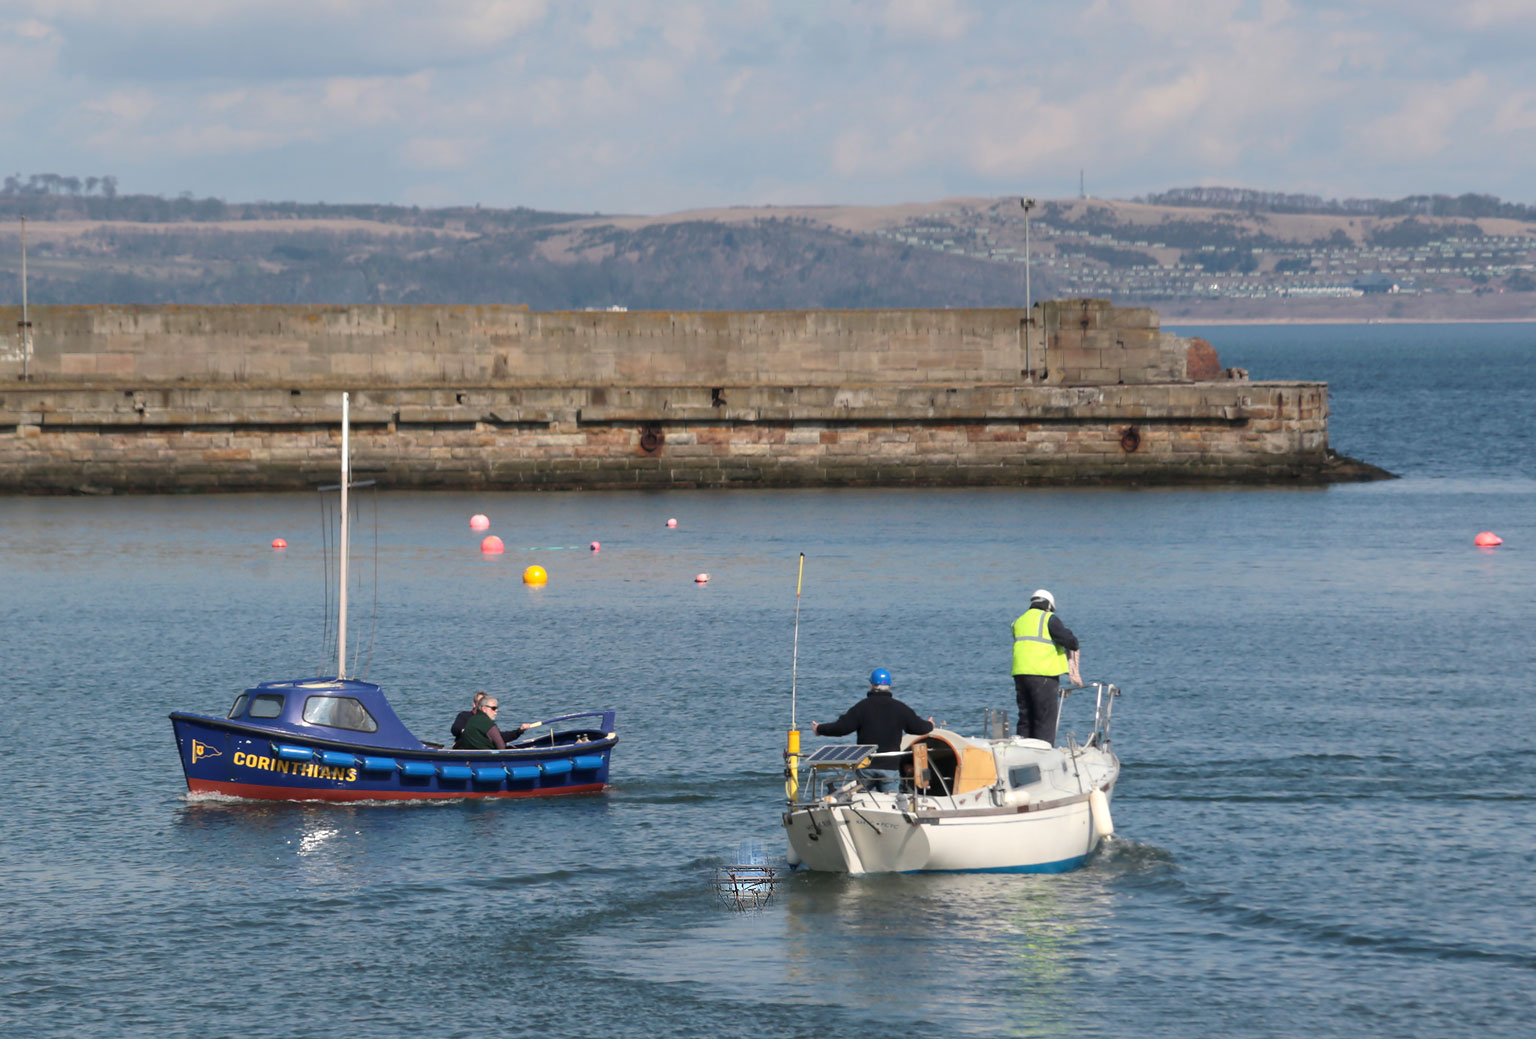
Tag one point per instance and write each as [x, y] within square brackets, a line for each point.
[1026, 204]
[25, 322]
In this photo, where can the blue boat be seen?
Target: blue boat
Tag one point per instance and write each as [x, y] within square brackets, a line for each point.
[338, 739]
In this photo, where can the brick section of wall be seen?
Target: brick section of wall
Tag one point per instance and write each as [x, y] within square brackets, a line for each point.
[62, 440]
[1201, 361]
[1074, 342]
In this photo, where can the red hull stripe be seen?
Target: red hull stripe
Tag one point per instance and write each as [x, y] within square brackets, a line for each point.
[260, 792]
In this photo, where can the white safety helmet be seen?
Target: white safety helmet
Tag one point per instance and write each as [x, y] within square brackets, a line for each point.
[1041, 593]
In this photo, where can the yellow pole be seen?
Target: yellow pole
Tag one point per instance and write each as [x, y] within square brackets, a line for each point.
[792, 747]
[792, 766]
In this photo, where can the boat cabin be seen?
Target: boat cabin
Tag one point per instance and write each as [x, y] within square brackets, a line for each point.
[345, 710]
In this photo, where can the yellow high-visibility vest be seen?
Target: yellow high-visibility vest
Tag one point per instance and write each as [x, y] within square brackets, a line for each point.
[1033, 651]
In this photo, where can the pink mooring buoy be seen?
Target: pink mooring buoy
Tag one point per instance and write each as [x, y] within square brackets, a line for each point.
[492, 544]
[479, 522]
[701, 579]
[279, 543]
[1487, 539]
[671, 522]
[597, 546]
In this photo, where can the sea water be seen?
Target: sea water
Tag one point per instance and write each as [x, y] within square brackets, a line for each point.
[1324, 819]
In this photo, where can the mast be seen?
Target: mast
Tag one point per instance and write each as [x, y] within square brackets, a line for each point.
[346, 544]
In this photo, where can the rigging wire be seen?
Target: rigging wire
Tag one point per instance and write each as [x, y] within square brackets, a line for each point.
[373, 625]
[794, 663]
[357, 644]
[325, 580]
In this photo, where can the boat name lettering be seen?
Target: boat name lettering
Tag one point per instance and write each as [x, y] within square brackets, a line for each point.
[294, 768]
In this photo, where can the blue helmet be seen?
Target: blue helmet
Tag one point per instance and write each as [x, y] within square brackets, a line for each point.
[880, 677]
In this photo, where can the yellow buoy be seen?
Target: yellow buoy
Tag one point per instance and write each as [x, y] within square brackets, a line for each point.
[535, 575]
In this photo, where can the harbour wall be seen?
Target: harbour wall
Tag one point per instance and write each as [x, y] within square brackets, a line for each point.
[168, 399]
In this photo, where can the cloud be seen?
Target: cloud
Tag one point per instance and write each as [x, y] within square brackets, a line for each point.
[657, 105]
[1428, 120]
[925, 19]
[270, 40]
[441, 153]
[131, 106]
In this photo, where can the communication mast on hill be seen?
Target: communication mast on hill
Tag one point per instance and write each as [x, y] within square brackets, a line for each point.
[1081, 191]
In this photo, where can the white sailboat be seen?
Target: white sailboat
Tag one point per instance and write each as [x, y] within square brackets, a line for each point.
[974, 804]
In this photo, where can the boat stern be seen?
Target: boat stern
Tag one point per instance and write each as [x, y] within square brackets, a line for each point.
[855, 839]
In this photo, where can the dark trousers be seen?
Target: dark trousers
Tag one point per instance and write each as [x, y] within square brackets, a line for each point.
[1039, 703]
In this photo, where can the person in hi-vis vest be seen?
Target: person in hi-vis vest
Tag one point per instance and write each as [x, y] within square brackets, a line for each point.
[1044, 649]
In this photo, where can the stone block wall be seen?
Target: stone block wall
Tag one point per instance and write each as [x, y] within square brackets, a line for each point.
[1071, 342]
[65, 440]
[248, 398]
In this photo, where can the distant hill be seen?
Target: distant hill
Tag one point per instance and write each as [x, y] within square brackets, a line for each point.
[1195, 253]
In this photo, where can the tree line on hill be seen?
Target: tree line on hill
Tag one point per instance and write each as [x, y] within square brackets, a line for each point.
[1468, 206]
[764, 264]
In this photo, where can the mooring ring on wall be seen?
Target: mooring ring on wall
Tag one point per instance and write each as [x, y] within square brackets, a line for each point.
[1130, 440]
[651, 439]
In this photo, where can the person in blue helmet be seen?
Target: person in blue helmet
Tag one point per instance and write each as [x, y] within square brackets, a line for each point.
[880, 719]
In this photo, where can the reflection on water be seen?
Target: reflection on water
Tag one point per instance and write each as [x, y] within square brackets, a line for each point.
[964, 951]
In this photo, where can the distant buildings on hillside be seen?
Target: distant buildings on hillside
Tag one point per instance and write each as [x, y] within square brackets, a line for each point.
[1138, 267]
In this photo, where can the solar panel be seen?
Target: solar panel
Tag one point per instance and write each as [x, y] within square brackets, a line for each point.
[840, 754]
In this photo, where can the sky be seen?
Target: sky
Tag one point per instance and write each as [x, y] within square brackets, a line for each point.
[655, 106]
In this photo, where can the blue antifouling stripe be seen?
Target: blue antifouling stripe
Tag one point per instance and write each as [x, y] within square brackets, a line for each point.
[524, 772]
[418, 768]
[587, 762]
[337, 759]
[371, 764]
[557, 768]
[288, 753]
[488, 774]
[454, 771]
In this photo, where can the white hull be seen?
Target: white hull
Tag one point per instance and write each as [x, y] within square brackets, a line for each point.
[1043, 810]
[869, 837]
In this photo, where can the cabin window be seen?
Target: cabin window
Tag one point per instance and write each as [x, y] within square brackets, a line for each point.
[266, 705]
[339, 712]
[239, 708]
[1024, 775]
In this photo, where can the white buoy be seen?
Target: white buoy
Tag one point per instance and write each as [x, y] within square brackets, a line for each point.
[1098, 807]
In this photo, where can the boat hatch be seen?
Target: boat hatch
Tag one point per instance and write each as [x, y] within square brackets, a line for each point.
[958, 770]
[1023, 775]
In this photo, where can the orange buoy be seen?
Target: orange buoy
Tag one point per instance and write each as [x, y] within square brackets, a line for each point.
[479, 521]
[535, 575]
[279, 543]
[597, 546]
[671, 523]
[492, 544]
[1487, 539]
[701, 579]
